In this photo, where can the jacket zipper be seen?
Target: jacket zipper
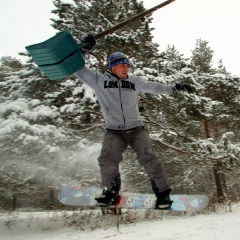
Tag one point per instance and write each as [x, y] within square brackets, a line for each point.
[120, 95]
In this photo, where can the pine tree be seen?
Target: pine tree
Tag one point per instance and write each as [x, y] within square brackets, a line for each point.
[173, 60]
[221, 68]
[47, 121]
[202, 56]
[8, 65]
[134, 40]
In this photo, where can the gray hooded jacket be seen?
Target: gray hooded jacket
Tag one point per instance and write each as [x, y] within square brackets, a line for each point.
[119, 98]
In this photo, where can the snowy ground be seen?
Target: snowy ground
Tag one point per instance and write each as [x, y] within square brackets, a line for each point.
[220, 225]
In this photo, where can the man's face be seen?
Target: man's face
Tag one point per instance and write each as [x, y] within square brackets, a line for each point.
[121, 70]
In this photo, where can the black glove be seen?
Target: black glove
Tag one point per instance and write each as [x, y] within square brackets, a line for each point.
[183, 87]
[88, 42]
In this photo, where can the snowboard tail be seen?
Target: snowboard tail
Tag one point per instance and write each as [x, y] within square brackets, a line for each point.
[85, 197]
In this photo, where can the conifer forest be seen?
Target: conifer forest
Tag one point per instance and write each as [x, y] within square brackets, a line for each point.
[51, 131]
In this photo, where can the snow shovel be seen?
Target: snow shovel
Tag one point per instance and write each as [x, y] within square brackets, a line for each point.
[57, 57]
[60, 56]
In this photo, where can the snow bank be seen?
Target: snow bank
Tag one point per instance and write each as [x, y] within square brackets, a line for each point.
[220, 225]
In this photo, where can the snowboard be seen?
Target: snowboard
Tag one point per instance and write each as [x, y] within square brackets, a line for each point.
[85, 197]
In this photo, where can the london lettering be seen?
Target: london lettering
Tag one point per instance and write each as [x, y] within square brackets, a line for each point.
[124, 84]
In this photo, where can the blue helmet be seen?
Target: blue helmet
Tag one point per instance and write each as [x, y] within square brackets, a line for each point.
[118, 58]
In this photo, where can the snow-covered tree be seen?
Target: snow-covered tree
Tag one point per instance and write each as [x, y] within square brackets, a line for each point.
[173, 60]
[45, 123]
[135, 39]
[202, 56]
[8, 65]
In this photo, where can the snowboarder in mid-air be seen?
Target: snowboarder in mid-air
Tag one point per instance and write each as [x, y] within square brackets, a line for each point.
[118, 96]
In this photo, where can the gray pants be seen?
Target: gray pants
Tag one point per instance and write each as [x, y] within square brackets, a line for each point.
[113, 146]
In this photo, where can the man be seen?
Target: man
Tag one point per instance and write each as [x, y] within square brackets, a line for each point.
[118, 97]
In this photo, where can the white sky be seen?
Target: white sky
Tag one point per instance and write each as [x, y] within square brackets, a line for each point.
[26, 22]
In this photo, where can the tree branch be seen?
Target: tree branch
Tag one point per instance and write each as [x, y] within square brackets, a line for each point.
[159, 142]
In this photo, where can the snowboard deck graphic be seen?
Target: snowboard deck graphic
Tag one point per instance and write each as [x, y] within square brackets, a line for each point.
[85, 197]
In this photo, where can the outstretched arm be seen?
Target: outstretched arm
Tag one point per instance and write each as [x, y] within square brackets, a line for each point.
[89, 76]
[158, 88]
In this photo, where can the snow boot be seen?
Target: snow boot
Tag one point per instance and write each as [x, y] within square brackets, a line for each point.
[110, 196]
[163, 199]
